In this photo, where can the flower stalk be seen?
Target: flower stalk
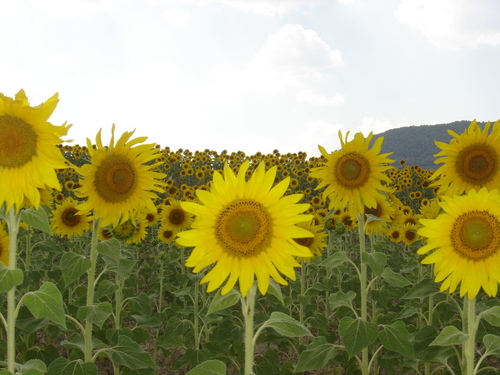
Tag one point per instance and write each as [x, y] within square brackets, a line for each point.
[248, 309]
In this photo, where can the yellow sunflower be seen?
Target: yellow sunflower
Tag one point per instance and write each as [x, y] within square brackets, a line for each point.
[119, 179]
[247, 228]
[4, 247]
[354, 174]
[166, 235]
[28, 150]
[315, 244]
[66, 220]
[174, 217]
[384, 211]
[470, 161]
[466, 243]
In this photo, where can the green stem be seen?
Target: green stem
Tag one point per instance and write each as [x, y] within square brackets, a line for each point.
[363, 289]
[248, 309]
[469, 345]
[13, 225]
[90, 288]
[118, 301]
[196, 315]
[27, 260]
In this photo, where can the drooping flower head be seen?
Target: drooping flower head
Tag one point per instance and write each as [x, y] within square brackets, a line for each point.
[470, 161]
[119, 179]
[465, 243]
[28, 150]
[353, 175]
[247, 228]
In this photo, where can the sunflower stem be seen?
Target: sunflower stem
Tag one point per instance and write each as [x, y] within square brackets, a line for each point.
[13, 225]
[196, 315]
[90, 288]
[363, 289]
[469, 345]
[248, 309]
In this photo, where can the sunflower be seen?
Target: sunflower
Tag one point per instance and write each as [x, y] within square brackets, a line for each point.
[383, 211]
[354, 174]
[4, 247]
[247, 228]
[316, 243]
[119, 179]
[29, 155]
[470, 161]
[174, 217]
[166, 235]
[466, 243]
[66, 220]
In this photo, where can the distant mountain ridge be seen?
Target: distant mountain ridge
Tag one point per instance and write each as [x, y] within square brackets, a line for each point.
[415, 144]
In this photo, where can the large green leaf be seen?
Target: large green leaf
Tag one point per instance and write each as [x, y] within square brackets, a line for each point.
[286, 325]
[110, 248]
[395, 337]
[221, 302]
[316, 355]
[63, 366]
[210, 367]
[96, 314]
[340, 299]
[140, 304]
[37, 219]
[73, 266]
[356, 334]
[394, 279]
[492, 344]
[9, 278]
[376, 262]
[492, 316]
[424, 288]
[47, 303]
[275, 290]
[335, 260]
[449, 336]
[128, 353]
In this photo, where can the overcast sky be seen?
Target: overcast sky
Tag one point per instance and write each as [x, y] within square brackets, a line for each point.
[253, 75]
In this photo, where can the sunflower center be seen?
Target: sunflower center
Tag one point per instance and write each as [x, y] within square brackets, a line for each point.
[307, 242]
[352, 170]
[18, 142]
[115, 179]
[70, 218]
[244, 227]
[176, 216]
[476, 234]
[477, 164]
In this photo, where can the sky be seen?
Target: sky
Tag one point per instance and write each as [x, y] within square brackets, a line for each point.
[252, 75]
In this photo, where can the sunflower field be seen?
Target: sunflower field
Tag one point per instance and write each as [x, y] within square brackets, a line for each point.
[130, 258]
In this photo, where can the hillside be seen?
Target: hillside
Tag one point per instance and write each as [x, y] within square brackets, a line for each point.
[415, 144]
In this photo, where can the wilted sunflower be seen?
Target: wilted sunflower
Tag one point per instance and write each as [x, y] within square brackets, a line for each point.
[4, 247]
[119, 179]
[66, 220]
[247, 229]
[28, 150]
[353, 175]
[466, 243]
[471, 160]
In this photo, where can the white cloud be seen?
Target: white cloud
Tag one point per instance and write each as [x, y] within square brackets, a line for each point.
[307, 96]
[319, 132]
[177, 17]
[453, 23]
[375, 125]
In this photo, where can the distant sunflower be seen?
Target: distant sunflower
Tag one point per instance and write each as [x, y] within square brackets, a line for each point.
[29, 154]
[66, 220]
[316, 243]
[470, 161]
[166, 235]
[174, 217]
[354, 174]
[247, 228]
[384, 211]
[119, 179]
[466, 243]
[4, 247]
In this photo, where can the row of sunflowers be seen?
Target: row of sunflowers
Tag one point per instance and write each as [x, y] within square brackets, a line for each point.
[241, 227]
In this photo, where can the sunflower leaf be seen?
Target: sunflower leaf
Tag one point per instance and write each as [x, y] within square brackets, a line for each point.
[128, 353]
[73, 266]
[275, 290]
[393, 278]
[335, 260]
[110, 248]
[47, 303]
[316, 355]
[210, 367]
[492, 316]
[96, 314]
[37, 219]
[449, 336]
[356, 334]
[492, 344]
[63, 366]
[425, 288]
[286, 325]
[221, 302]
[10, 278]
[376, 261]
[395, 337]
